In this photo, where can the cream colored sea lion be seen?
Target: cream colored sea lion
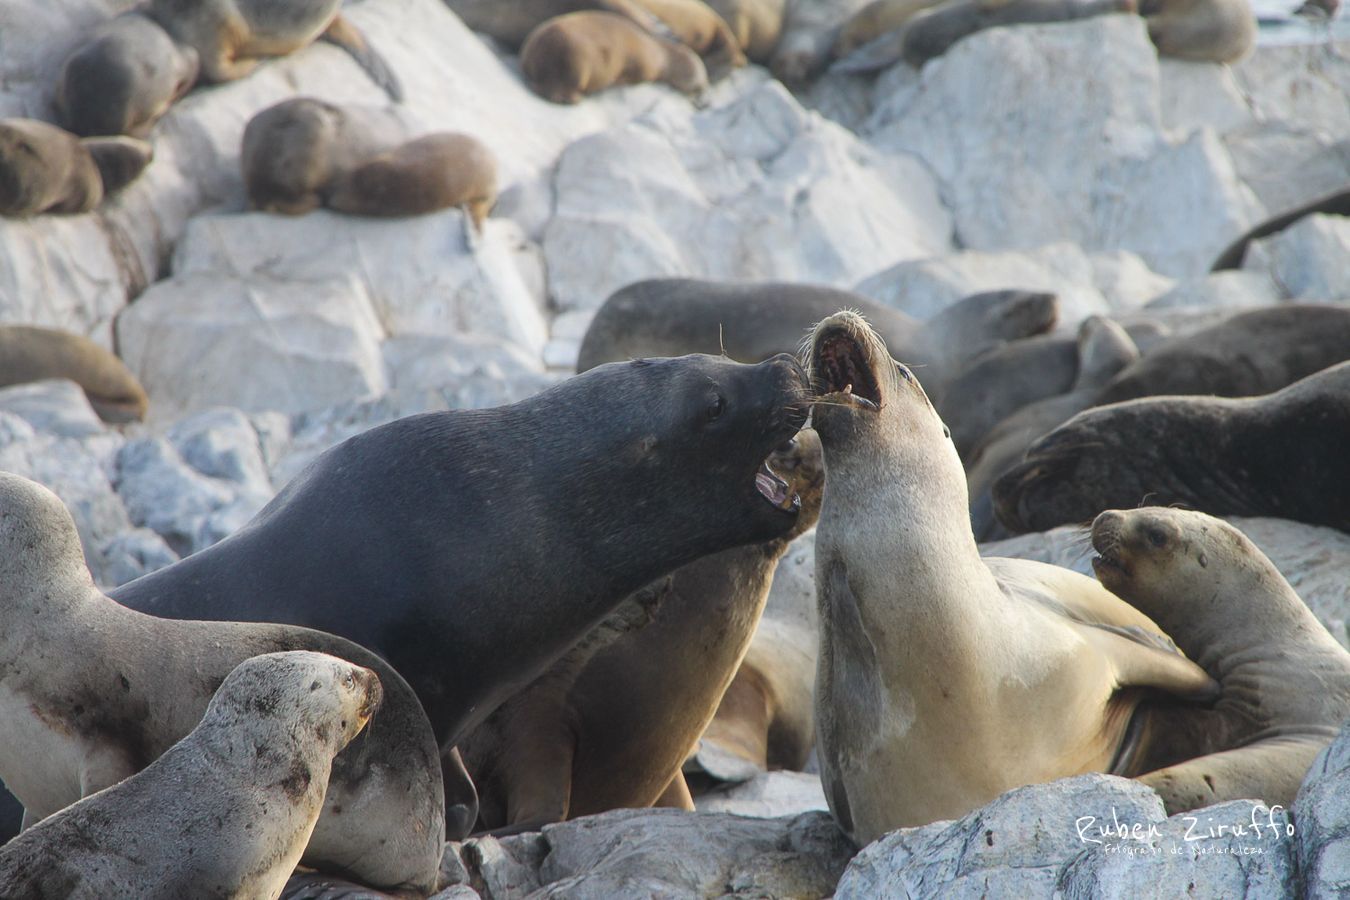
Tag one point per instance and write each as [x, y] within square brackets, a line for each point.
[610, 725]
[1285, 680]
[226, 811]
[33, 354]
[945, 679]
[46, 169]
[512, 22]
[582, 53]
[757, 24]
[92, 692]
[1220, 31]
[231, 36]
[124, 78]
[433, 172]
[700, 28]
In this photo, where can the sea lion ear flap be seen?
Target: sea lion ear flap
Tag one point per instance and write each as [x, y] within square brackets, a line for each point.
[120, 160]
[1104, 348]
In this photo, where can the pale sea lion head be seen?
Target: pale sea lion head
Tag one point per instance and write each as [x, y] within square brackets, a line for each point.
[1157, 548]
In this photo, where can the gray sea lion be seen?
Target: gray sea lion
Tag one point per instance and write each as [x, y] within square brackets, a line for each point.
[1285, 680]
[612, 729]
[757, 24]
[231, 36]
[78, 722]
[1221, 31]
[294, 152]
[46, 169]
[430, 173]
[29, 354]
[930, 34]
[753, 321]
[696, 25]
[1104, 348]
[1281, 454]
[945, 679]
[1336, 204]
[583, 53]
[224, 812]
[473, 548]
[511, 23]
[810, 29]
[124, 78]
[878, 18]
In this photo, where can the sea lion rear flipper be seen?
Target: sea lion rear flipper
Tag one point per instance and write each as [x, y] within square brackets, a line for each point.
[346, 35]
[676, 795]
[1271, 770]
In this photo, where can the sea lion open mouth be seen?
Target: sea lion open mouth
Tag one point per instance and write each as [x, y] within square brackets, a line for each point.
[843, 373]
[1106, 541]
[774, 489]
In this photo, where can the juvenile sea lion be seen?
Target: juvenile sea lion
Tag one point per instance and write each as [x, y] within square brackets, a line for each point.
[294, 152]
[929, 35]
[124, 78]
[753, 321]
[44, 168]
[511, 23]
[224, 812]
[1221, 31]
[1282, 454]
[1285, 680]
[92, 692]
[231, 36]
[433, 172]
[945, 679]
[757, 24]
[472, 548]
[583, 53]
[29, 354]
[696, 25]
[613, 730]
[809, 31]
[1336, 204]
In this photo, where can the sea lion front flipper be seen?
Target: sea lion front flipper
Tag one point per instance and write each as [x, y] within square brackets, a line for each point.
[676, 795]
[344, 34]
[1271, 770]
[1138, 663]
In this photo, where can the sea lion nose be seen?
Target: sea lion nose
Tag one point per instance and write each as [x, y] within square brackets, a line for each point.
[1108, 522]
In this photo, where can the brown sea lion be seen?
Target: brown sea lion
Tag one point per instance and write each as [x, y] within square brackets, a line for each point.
[1221, 31]
[511, 23]
[757, 24]
[696, 25]
[609, 727]
[583, 53]
[29, 353]
[46, 169]
[433, 172]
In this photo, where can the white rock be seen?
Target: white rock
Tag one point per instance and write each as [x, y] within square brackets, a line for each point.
[1303, 84]
[1125, 280]
[767, 795]
[998, 146]
[223, 444]
[1322, 815]
[1313, 559]
[1287, 165]
[256, 343]
[1193, 94]
[166, 495]
[57, 407]
[1221, 290]
[662, 853]
[1310, 260]
[1014, 847]
[758, 189]
[132, 554]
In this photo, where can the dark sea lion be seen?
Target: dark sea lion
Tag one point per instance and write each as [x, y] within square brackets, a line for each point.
[46, 169]
[1281, 454]
[124, 78]
[613, 731]
[930, 34]
[29, 354]
[755, 320]
[472, 548]
[1335, 204]
[224, 812]
[294, 152]
[429, 173]
[1219, 31]
[231, 36]
[878, 18]
[92, 692]
[1285, 680]
[945, 679]
[582, 53]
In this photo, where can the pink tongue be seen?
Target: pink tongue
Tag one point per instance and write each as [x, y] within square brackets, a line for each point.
[775, 492]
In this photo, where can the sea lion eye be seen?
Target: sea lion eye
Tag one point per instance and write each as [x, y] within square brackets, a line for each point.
[715, 408]
[1156, 537]
[904, 372]
[350, 682]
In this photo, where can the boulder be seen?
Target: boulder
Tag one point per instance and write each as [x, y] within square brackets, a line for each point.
[757, 189]
[767, 795]
[1322, 816]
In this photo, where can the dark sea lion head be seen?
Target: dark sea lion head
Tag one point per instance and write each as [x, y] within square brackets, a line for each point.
[694, 433]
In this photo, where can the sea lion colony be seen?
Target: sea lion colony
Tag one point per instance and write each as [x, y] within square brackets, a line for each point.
[632, 533]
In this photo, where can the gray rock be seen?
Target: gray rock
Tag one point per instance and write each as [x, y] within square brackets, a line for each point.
[1304, 84]
[1287, 165]
[132, 554]
[1194, 94]
[767, 795]
[663, 852]
[57, 407]
[1221, 290]
[165, 494]
[1322, 816]
[1309, 260]
[1014, 847]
